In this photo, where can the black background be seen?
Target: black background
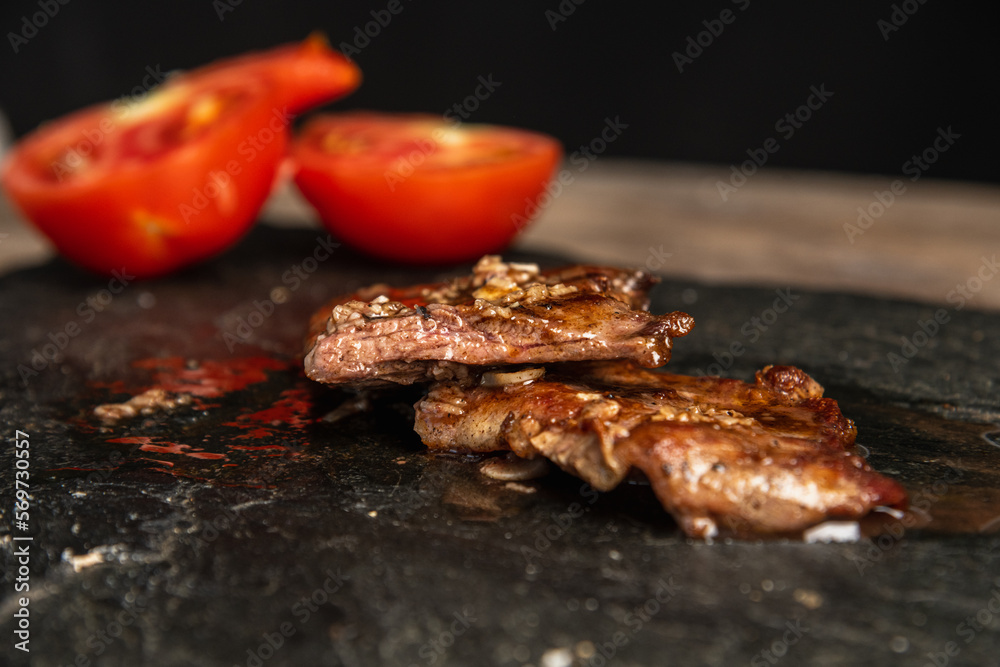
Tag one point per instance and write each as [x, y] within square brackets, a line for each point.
[604, 60]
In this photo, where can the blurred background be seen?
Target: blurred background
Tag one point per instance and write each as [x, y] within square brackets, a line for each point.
[700, 81]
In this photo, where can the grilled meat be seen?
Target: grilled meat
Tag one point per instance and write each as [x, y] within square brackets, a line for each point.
[501, 314]
[769, 457]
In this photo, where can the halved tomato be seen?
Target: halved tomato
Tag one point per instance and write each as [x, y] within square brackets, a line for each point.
[417, 188]
[177, 177]
[301, 76]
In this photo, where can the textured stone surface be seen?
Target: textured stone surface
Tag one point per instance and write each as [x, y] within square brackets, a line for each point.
[206, 531]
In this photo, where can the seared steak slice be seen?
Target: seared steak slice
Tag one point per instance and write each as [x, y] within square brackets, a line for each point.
[501, 314]
[769, 457]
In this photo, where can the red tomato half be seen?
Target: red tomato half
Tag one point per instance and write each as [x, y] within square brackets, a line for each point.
[301, 75]
[178, 177]
[418, 189]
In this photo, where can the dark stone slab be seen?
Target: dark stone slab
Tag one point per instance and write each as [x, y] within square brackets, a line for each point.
[245, 530]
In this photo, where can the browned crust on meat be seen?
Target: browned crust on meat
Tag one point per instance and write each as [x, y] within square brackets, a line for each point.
[501, 314]
[768, 457]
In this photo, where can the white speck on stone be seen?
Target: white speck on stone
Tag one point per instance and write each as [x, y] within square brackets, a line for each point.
[84, 560]
[833, 531]
[557, 657]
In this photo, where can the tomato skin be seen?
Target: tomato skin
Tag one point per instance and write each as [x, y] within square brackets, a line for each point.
[152, 214]
[178, 177]
[395, 203]
[148, 216]
[302, 75]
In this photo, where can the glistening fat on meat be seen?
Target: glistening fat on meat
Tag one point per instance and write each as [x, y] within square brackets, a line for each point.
[554, 365]
[504, 313]
[769, 457]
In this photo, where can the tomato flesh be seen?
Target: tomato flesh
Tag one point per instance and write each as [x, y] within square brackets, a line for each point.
[418, 189]
[301, 76]
[175, 178]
